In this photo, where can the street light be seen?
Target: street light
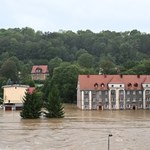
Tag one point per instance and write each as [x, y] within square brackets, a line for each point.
[108, 140]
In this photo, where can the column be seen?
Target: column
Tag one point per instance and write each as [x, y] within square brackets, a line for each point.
[109, 98]
[144, 101]
[90, 100]
[117, 98]
[124, 99]
[82, 100]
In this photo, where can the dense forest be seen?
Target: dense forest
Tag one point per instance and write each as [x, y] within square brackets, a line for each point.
[68, 54]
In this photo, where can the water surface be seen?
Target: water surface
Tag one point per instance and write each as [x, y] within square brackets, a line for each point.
[79, 130]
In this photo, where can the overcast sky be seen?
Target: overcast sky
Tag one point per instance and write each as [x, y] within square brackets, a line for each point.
[95, 15]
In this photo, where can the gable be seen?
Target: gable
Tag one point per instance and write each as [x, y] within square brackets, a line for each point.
[40, 69]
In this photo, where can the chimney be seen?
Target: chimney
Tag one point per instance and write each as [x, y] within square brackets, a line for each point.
[121, 76]
[88, 76]
[138, 76]
[105, 75]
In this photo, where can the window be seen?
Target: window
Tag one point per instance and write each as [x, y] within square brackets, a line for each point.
[113, 106]
[86, 100]
[147, 92]
[121, 98]
[135, 84]
[140, 99]
[95, 85]
[112, 92]
[112, 85]
[120, 85]
[140, 92]
[128, 99]
[121, 106]
[86, 92]
[102, 85]
[121, 92]
[134, 99]
[106, 92]
[93, 92]
[106, 106]
[38, 70]
[129, 85]
[113, 99]
[146, 85]
[128, 105]
[106, 99]
[100, 99]
[94, 99]
[128, 92]
[134, 92]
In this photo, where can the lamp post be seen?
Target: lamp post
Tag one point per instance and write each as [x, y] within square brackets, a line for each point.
[108, 140]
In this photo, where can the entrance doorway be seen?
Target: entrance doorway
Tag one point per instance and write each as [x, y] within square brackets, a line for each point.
[100, 107]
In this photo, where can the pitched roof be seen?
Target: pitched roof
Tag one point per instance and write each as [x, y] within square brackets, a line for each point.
[30, 90]
[100, 82]
[43, 68]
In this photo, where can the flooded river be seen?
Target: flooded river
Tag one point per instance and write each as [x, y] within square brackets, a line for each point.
[79, 130]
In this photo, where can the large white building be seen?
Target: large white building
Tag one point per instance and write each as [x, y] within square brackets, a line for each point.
[13, 96]
[113, 92]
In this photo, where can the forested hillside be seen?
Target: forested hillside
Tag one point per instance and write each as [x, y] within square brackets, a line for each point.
[69, 54]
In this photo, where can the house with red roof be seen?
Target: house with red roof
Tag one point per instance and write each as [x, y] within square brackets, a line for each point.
[113, 92]
[39, 72]
[13, 96]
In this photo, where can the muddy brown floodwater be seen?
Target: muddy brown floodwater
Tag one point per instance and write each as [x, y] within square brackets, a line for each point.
[79, 130]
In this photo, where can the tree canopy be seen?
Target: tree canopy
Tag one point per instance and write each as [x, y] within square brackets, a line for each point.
[69, 54]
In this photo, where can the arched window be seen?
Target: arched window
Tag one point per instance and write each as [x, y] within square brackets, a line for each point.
[129, 85]
[96, 85]
[102, 85]
[135, 84]
[38, 70]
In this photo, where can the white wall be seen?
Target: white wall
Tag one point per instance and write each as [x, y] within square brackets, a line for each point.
[14, 93]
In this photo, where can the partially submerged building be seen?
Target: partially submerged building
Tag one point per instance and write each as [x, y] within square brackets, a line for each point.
[13, 96]
[113, 92]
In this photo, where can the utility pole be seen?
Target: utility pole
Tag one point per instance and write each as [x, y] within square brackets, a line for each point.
[110, 135]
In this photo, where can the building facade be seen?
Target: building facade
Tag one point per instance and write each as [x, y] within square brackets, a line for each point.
[39, 72]
[113, 92]
[13, 96]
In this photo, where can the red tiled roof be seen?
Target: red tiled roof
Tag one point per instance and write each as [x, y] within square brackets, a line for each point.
[44, 68]
[92, 82]
[30, 90]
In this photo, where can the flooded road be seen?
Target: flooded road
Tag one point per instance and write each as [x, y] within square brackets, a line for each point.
[79, 130]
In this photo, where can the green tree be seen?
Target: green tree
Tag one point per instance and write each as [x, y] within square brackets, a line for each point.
[9, 70]
[107, 66]
[54, 107]
[55, 62]
[32, 104]
[86, 60]
[65, 77]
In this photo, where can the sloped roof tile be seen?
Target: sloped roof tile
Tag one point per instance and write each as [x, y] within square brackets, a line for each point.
[131, 82]
[44, 68]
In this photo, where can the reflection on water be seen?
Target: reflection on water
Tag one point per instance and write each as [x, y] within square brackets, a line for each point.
[79, 130]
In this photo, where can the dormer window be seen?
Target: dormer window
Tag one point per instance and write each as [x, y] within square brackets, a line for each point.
[135, 84]
[38, 70]
[129, 85]
[96, 85]
[102, 85]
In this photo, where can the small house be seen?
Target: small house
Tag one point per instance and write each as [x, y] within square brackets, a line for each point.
[13, 96]
[39, 72]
